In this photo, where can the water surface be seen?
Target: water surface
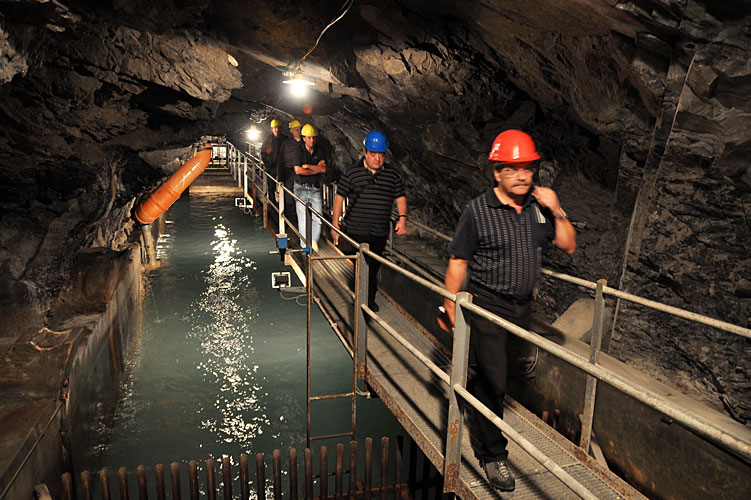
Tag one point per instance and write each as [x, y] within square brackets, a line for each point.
[220, 365]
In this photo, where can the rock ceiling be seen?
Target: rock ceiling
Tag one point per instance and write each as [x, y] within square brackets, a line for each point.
[641, 108]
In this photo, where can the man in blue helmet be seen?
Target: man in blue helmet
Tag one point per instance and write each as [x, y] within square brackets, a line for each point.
[371, 187]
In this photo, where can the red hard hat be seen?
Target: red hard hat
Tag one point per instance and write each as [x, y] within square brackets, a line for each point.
[513, 146]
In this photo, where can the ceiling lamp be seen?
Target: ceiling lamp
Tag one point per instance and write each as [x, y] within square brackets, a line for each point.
[298, 83]
[295, 79]
[253, 134]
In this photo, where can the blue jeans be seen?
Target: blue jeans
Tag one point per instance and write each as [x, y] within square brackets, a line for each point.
[309, 193]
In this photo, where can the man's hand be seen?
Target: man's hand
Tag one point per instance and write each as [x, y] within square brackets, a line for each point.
[445, 318]
[322, 163]
[547, 198]
[335, 235]
[401, 226]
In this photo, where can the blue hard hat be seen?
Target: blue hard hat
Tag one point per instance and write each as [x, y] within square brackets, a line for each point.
[376, 142]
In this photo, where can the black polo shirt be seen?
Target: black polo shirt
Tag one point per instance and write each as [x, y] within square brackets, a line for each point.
[370, 198]
[504, 248]
[289, 146]
[303, 157]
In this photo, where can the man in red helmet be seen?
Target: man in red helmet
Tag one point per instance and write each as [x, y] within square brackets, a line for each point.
[499, 237]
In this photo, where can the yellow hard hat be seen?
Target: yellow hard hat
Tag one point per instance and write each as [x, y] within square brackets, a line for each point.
[309, 130]
[295, 124]
[274, 123]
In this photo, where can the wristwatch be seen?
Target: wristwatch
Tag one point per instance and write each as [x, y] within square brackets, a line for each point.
[563, 215]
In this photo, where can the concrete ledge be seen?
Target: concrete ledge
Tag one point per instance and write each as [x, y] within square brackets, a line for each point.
[60, 383]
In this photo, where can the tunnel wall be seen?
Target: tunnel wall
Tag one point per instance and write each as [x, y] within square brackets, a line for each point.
[102, 347]
[648, 449]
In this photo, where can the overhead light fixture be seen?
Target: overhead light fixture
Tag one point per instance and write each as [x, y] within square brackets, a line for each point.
[253, 134]
[297, 82]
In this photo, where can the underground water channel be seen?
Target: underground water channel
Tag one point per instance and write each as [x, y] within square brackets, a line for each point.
[219, 369]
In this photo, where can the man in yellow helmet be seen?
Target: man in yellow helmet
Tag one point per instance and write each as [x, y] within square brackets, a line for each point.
[287, 170]
[271, 150]
[310, 165]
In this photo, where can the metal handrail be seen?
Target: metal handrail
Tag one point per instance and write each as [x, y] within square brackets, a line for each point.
[689, 419]
[659, 306]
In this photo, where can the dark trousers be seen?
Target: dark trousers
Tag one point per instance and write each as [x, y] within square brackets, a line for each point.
[489, 357]
[377, 245]
[289, 202]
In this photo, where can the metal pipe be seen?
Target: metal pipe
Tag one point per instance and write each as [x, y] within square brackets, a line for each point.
[675, 311]
[260, 478]
[509, 431]
[339, 471]
[174, 472]
[331, 396]
[329, 436]
[595, 344]
[693, 422]
[292, 474]
[160, 485]
[427, 284]
[323, 463]
[460, 358]
[227, 476]
[67, 486]
[122, 476]
[210, 480]
[352, 469]
[368, 468]
[104, 483]
[415, 352]
[398, 454]
[276, 459]
[384, 466]
[308, 457]
[309, 305]
[143, 490]
[86, 484]
[193, 479]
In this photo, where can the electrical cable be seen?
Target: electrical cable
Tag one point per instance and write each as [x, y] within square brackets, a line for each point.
[348, 4]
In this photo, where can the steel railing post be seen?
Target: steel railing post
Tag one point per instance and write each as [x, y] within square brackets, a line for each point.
[459, 361]
[265, 198]
[309, 297]
[595, 343]
[308, 225]
[280, 195]
[361, 297]
[245, 177]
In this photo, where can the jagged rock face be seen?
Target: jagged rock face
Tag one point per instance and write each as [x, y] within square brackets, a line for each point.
[640, 109]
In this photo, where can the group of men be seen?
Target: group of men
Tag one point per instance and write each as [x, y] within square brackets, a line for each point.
[495, 253]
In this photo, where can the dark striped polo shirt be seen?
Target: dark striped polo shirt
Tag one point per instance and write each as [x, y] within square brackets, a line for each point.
[288, 157]
[304, 157]
[504, 248]
[370, 198]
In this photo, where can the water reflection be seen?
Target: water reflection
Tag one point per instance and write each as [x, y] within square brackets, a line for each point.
[223, 321]
[220, 367]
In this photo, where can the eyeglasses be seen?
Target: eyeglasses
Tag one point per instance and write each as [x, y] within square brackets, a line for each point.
[508, 171]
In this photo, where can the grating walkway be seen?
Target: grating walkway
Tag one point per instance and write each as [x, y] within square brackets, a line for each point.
[419, 401]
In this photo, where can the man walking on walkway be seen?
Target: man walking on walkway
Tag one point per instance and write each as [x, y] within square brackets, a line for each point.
[271, 156]
[310, 165]
[371, 187]
[287, 169]
[499, 237]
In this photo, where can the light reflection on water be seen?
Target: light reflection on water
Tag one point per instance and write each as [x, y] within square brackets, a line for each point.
[220, 368]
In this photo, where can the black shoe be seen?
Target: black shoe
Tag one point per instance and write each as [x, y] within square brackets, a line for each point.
[499, 475]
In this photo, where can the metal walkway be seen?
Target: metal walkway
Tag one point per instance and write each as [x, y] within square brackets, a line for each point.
[406, 367]
[419, 400]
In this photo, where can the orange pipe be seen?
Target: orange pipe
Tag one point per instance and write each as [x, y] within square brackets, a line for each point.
[165, 195]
